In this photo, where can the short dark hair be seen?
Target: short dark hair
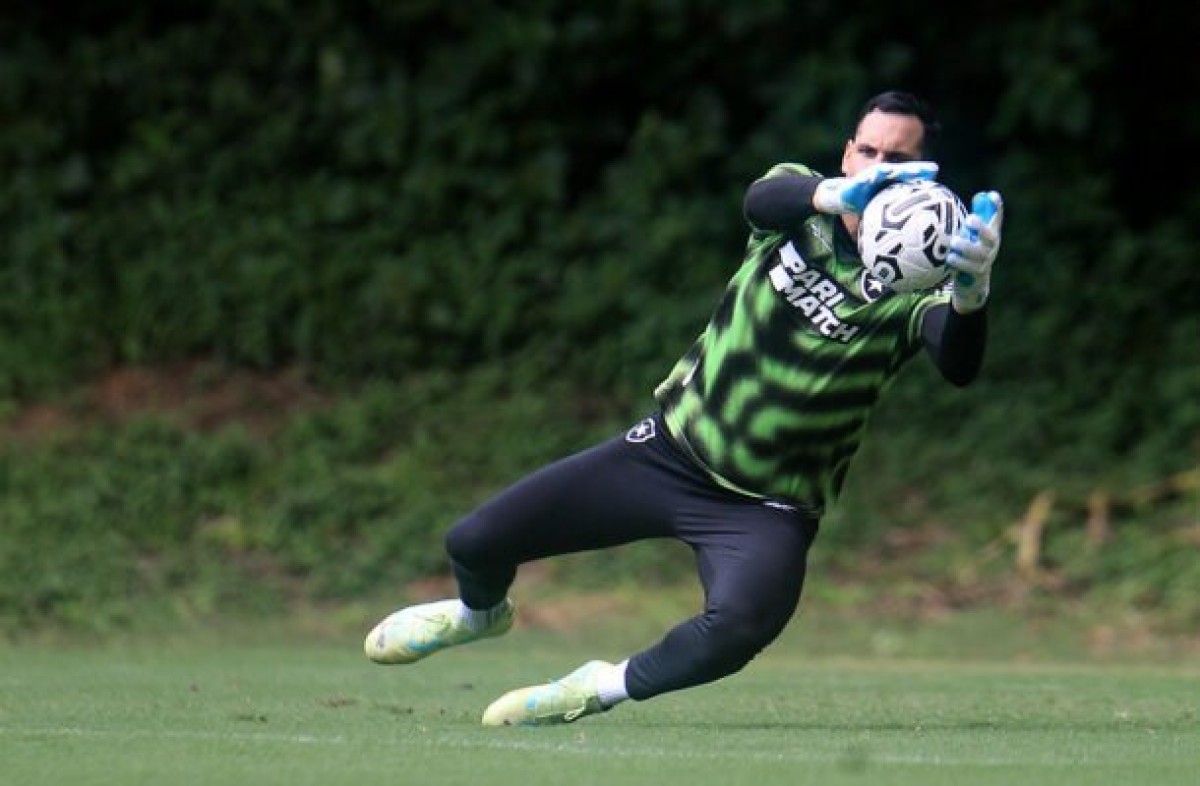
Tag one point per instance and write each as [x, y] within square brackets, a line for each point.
[898, 102]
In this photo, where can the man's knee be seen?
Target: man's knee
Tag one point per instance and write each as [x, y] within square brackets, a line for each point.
[467, 541]
[736, 637]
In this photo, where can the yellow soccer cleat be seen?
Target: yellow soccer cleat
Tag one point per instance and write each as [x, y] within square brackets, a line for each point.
[416, 632]
[563, 701]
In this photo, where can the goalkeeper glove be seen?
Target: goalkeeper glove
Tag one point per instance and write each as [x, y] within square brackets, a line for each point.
[851, 194]
[973, 251]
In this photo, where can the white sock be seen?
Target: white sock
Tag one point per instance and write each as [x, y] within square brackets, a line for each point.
[478, 619]
[610, 685]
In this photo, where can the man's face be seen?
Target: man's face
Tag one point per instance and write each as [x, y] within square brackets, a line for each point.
[883, 137]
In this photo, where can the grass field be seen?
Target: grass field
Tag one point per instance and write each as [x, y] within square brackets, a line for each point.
[180, 713]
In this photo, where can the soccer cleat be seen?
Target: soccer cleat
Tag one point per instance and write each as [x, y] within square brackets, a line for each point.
[563, 701]
[416, 632]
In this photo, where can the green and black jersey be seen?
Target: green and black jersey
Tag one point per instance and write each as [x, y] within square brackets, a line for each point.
[774, 396]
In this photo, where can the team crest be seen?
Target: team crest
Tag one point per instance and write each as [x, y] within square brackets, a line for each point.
[869, 287]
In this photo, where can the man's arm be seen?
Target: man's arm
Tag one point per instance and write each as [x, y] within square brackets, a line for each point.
[955, 342]
[955, 335]
[780, 202]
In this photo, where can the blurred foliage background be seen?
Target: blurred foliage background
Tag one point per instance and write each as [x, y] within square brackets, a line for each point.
[478, 234]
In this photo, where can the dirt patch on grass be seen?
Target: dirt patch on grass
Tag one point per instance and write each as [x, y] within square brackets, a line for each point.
[203, 395]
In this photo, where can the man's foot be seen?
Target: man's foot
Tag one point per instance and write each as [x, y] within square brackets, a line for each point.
[562, 701]
[418, 631]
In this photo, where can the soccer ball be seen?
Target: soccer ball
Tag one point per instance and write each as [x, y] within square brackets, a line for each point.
[905, 233]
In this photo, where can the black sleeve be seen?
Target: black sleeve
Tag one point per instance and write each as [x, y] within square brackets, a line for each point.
[780, 203]
[955, 342]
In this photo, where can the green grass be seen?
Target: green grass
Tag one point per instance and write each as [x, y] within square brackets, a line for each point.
[316, 712]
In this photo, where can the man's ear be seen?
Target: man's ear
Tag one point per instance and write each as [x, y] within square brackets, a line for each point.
[846, 153]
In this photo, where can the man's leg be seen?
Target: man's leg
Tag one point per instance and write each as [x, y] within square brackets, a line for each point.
[752, 569]
[601, 497]
[751, 558]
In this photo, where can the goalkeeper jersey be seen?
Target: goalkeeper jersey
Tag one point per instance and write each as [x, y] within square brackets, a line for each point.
[773, 397]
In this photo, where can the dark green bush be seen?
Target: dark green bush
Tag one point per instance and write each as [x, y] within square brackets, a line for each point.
[405, 193]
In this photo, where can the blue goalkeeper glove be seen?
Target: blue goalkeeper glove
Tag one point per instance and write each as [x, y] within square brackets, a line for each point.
[973, 252]
[851, 194]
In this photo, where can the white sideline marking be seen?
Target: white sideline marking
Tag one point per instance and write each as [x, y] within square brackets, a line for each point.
[75, 731]
[800, 755]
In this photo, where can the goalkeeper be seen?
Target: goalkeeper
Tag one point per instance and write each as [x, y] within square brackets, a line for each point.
[749, 443]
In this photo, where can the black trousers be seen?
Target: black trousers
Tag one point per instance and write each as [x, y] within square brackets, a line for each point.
[751, 555]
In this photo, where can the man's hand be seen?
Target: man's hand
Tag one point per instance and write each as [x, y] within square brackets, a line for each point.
[973, 252]
[851, 194]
